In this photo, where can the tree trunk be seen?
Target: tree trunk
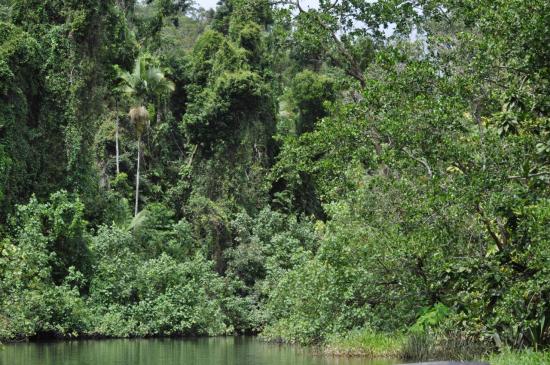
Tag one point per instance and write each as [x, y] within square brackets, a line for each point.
[137, 176]
[158, 112]
[116, 139]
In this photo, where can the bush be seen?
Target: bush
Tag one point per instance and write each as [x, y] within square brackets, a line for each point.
[135, 293]
[40, 288]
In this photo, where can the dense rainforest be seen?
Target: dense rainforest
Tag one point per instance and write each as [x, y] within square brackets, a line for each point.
[357, 169]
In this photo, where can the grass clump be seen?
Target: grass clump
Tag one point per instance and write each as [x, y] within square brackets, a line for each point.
[454, 345]
[525, 357]
[421, 346]
[366, 342]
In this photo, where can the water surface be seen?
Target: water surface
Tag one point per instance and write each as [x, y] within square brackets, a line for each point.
[204, 351]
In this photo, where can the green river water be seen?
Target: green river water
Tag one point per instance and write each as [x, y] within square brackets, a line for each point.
[204, 351]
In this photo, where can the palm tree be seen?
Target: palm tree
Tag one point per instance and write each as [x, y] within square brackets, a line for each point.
[146, 82]
[116, 138]
[159, 86]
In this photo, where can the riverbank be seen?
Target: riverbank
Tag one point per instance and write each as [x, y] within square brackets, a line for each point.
[526, 357]
[367, 343]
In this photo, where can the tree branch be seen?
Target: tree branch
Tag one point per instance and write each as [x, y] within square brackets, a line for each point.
[487, 224]
[529, 176]
[353, 70]
[422, 161]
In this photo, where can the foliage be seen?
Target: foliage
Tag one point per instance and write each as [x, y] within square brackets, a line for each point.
[54, 75]
[160, 296]
[367, 175]
[430, 318]
[43, 261]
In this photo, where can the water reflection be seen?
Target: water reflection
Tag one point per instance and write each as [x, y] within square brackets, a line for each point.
[204, 351]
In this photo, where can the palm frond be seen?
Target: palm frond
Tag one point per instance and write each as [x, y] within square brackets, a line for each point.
[146, 80]
[138, 220]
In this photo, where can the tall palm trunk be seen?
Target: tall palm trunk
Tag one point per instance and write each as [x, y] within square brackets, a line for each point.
[158, 111]
[140, 118]
[116, 139]
[137, 176]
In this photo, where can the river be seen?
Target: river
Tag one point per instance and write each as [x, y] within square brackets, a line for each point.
[202, 351]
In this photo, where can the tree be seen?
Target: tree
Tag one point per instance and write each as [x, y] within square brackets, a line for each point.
[145, 82]
[116, 139]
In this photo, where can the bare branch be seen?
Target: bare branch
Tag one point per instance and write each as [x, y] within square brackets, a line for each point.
[422, 161]
[530, 176]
